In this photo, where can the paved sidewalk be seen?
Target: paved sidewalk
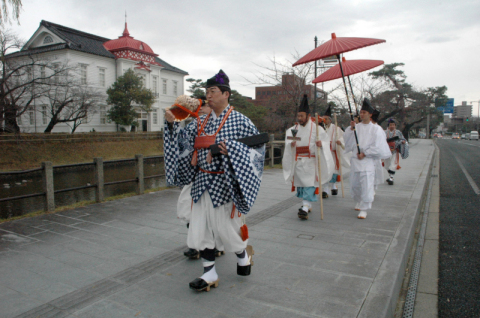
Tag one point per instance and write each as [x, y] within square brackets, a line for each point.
[125, 258]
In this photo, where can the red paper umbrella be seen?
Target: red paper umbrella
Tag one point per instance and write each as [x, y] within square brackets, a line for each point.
[336, 46]
[350, 67]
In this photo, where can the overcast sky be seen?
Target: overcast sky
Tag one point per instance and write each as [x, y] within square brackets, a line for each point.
[439, 41]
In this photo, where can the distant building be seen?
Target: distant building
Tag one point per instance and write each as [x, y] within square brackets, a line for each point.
[462, 111]
[291, 85]
[101, 61]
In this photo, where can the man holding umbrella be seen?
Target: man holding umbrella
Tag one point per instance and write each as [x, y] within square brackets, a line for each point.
[300, 158]
[362, 172]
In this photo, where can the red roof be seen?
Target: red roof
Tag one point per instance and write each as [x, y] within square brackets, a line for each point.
[128, 42]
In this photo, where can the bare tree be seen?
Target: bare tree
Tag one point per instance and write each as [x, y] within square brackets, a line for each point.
[72, 104]
[16, 6]
[24, 78]
[292, 83]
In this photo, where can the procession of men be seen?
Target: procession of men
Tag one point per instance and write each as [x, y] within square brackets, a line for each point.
[219, 187]
[364, 143]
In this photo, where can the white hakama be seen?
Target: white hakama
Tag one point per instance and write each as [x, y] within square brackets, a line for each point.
[212, 227]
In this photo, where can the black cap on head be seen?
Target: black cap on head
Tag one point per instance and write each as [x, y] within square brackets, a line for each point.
[367, 106]
[375, 115]
[304, 105]
[220, 79]
[391, 120]
[328, 112]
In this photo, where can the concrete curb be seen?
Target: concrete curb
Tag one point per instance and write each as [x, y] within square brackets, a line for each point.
[381, 300]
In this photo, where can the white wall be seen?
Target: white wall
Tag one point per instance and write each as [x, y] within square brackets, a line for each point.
[113, 69]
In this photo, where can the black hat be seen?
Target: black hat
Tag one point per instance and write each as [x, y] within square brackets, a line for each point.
[367, 106]
[391, 120]
[375, 115]
[328, 112]
[304, 105]
[220, 79]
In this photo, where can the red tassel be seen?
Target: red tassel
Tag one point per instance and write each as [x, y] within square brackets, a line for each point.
[244, 232]
[398, 167]
[383, 164]
[194, 158]
[339, 178]
[317, 191]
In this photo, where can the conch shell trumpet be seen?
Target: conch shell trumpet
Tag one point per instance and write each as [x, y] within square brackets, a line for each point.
[186, 106]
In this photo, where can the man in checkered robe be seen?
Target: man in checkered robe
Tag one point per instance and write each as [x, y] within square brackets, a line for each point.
[224, 186]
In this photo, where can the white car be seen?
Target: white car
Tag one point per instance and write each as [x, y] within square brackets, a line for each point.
[473, 135]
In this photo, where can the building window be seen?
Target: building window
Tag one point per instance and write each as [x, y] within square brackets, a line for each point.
[155, 117]
[101, 77]
[155, 86]
[164, 86]
[83, 74]
[42, 74]
[143, 79]
[103, 115]
[44, 115]
[175, 85]
[29, 73]
[48, 39]
[31, 115]
[56, 74]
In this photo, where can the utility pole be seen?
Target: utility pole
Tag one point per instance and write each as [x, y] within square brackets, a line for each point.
[315, 93]
[428, 126]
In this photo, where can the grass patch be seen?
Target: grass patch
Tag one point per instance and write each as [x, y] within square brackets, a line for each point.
[79, 205]
[276, 166]
[31, 155]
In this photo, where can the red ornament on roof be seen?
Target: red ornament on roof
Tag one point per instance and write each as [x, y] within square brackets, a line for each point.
[129, 48]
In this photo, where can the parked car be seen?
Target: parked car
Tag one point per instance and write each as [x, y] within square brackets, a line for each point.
[467, 136]
[473, 135]
[455, 136]
[464, 136]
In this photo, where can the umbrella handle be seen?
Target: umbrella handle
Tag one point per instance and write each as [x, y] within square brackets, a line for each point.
[348, 101]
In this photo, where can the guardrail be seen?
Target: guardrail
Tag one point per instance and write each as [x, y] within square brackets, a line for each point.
[99, 185]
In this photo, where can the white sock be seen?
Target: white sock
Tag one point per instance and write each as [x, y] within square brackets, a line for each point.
[243, 261]
[210, 276]
[334, 186]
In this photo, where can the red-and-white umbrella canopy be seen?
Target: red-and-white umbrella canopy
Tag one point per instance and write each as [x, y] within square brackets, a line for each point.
[337, 46]
[349, 67]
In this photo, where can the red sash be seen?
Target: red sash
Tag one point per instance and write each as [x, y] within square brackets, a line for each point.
[391, 144]
[303, 152]
[202, 142]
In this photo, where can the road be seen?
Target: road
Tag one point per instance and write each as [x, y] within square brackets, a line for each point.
[459, 258]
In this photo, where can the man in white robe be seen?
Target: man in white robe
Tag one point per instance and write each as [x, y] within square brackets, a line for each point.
[300, 161]
[385, 149]
[362, 171]
[392, 164]
[337, 146]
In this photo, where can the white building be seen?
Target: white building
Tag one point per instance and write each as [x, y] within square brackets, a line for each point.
[100, 62]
